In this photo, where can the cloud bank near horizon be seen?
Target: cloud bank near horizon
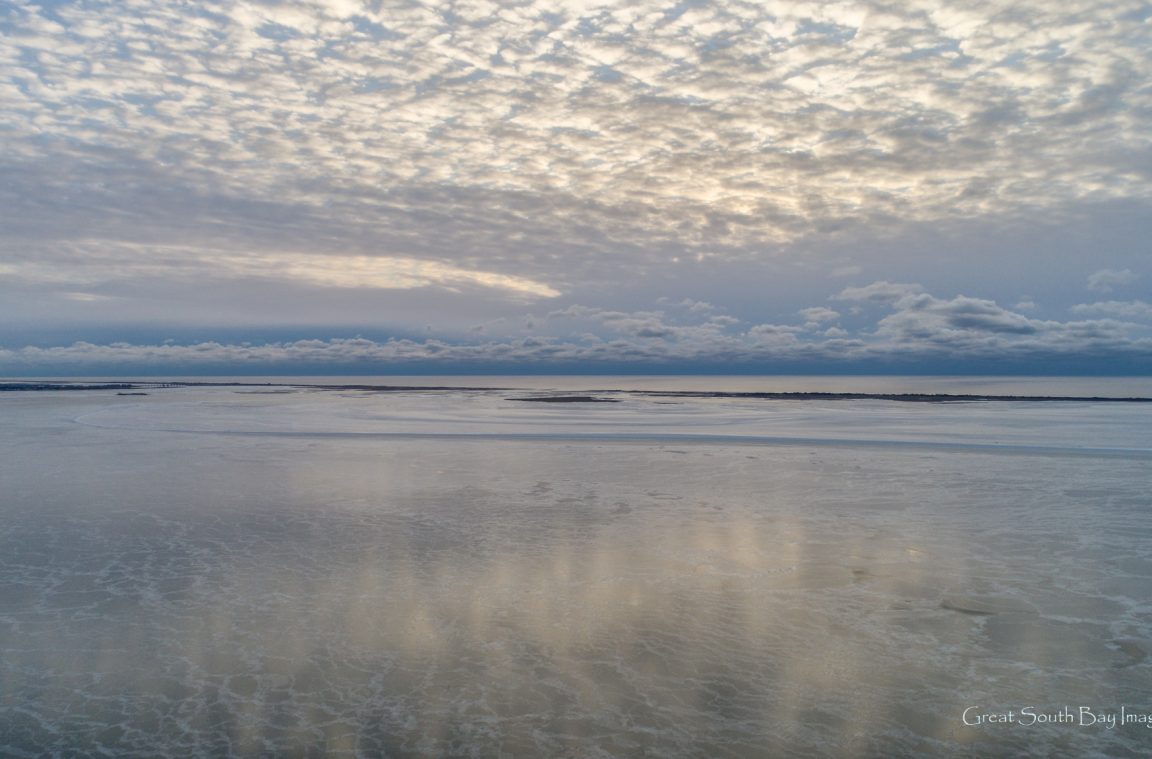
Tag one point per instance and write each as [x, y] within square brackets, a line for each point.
[907, 326]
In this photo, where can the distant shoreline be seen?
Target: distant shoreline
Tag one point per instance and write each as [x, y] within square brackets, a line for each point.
[564, 397]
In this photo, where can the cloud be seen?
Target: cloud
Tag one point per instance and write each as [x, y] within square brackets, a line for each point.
[96, 261]
[1134, 309]
[1105, 280]
[696, 324]
[924, 318]
[878, 292]
[917, 327]
[818, 314]
[328, 153]
[695, 306]
[88, 297]
[980, 328]
[717, 128]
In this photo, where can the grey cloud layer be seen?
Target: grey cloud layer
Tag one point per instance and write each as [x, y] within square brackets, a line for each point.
[915, 326]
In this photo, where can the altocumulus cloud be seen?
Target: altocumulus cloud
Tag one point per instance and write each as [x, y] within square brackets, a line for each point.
[727, 123]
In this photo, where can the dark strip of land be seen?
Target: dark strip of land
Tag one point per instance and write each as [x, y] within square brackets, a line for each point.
[905, 397]
[565, 398]
[36, 386]
[143, 385]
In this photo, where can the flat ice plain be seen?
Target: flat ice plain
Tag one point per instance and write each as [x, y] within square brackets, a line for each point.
[242, 572]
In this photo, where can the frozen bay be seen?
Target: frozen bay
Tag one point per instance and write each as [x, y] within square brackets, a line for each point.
[237, 571]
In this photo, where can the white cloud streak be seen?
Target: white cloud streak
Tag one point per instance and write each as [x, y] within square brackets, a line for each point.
[99, 261]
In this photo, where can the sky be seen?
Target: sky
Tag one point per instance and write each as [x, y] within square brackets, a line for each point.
[360, 186]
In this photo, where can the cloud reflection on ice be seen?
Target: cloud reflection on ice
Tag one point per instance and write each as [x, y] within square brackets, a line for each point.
[310, 595]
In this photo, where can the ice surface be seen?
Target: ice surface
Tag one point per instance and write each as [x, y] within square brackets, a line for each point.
[1086, 427]
[207, 572]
